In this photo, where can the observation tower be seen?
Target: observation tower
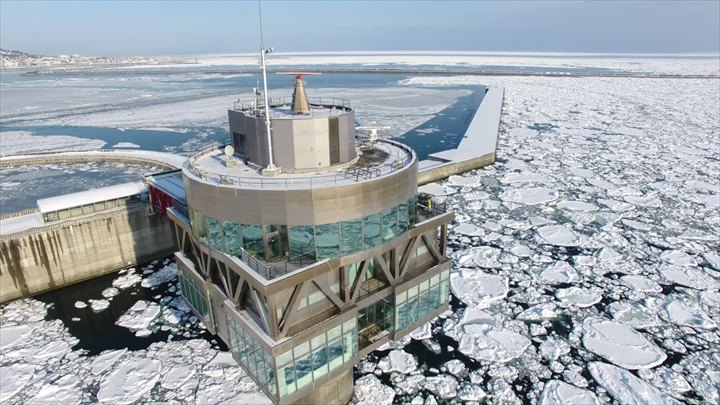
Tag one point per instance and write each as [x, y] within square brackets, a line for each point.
[304, 248]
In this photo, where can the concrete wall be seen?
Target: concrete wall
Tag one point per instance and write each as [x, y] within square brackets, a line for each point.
[71, 251]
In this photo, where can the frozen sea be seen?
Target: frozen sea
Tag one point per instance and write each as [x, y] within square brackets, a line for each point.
[586, 261]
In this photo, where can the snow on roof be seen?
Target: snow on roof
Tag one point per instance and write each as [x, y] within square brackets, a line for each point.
[170, 183]
[66, 201]
[21, 223]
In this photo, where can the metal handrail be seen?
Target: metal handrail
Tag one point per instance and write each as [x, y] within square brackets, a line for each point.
[353, 174]
[342, 106]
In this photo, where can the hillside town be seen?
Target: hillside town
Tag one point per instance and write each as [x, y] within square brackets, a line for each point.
[10, 59]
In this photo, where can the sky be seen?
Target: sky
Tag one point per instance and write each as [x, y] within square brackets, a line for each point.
[125, 28]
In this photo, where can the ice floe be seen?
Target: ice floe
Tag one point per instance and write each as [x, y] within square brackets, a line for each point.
[557, 273]
[130, 381]
[369, 390]
[559, 235]
[620, 344]
[626, 388]
[693, 277]
[579, 297]
[492, 344]
[686, 314]
[477, 288]
[529, 196]
[559, 392]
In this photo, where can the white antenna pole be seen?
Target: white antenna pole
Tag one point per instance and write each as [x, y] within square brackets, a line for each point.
[271, 166]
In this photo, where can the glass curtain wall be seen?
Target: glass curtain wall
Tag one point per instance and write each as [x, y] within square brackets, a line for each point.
[247, 351]
[305, 243]
[308, 361]
[194, 295]
[420, 300]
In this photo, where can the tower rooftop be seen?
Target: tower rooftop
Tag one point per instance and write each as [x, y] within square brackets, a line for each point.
[374, 161]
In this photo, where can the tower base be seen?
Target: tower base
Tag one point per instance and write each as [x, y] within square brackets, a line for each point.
[339, 390]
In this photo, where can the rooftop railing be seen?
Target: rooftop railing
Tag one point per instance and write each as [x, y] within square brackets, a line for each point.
[340, 176]
[330, 107]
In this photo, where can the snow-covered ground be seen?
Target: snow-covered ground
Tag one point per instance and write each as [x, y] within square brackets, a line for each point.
[586, 269]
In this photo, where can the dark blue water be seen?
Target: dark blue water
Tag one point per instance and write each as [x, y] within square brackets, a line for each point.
[446, 129]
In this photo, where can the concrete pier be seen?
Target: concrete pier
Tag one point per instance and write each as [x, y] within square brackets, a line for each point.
[167, 161]
[476, 149]
[58, 254]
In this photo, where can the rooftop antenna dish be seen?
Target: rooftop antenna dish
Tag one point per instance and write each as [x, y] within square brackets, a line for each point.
[229, 151]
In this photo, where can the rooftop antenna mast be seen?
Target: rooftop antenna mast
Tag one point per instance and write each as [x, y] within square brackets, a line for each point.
[271, 165]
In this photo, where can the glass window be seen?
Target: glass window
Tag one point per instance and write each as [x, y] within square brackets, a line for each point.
[320, 362]
[303, 370]
[335, 353]
[434, 295]
[372, 225]
[215, 234]
[199, 226]
[424, 305]
[284, 358]
[253, 240]
[302, 242]
[233, 238]
[411, 210]
[390, 225]
[351, 236]
[327, 239]
[286, 379]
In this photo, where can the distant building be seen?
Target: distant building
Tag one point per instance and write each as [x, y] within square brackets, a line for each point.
[304, 268]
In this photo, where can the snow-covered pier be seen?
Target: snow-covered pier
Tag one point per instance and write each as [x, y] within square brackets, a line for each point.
[476, 149]
[166, 160]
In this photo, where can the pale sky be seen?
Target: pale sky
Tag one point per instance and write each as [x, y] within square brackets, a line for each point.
[123, 28]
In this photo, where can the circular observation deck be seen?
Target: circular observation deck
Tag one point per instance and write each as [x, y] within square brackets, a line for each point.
[383, 175]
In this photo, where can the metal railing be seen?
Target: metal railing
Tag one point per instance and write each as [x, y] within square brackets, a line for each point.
[339, 176]
[427, 209]
[332, 106]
